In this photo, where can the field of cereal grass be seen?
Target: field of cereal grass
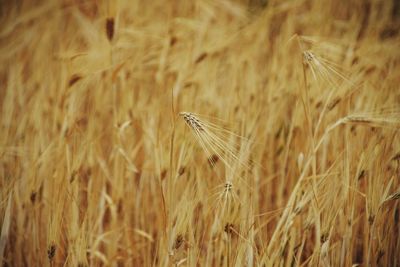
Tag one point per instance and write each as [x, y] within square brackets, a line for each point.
[199, 133]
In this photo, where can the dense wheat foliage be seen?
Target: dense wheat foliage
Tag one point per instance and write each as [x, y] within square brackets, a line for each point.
[200, 133]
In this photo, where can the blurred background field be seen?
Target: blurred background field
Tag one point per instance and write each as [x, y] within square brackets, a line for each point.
[295, 103]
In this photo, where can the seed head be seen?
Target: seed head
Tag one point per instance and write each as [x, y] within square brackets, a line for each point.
[308, 56]
[192, 121]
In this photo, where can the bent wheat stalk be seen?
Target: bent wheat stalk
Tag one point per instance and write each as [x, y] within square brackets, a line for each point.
[218, 142]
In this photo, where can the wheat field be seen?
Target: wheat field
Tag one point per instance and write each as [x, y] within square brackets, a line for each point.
[200, 133]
